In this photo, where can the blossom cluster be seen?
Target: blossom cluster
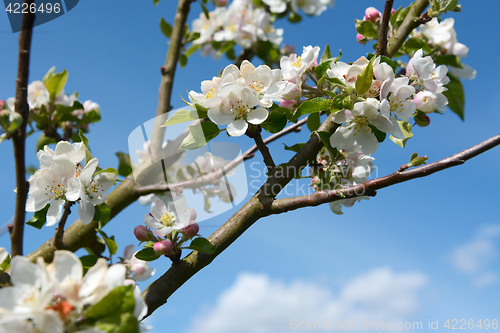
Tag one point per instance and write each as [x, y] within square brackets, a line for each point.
[51, 109]
[61, 178]
[241, 96]
[240, 22]
[343, 168]
[172, 225]
[442, 36]
[59, 298]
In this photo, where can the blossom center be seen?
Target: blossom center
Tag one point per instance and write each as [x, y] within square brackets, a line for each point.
[297, 63]
[239, 109]
[257, 86]
[210, 94]
[357, 124]
[168, 219]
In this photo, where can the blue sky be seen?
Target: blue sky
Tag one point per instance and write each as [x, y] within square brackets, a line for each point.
[423, 250]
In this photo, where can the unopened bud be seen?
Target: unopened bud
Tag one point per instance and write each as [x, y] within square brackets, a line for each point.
[163, 247]
[2, 104]
[191, 230]
[359, 38]
[143, 234]
[422, 119]
[371, 14]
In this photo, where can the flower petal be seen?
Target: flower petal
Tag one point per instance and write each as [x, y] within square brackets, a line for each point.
[237, 127]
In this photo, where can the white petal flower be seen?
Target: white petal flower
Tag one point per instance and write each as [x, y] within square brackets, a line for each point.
[176, 217]
[139, 269]
[93, 190]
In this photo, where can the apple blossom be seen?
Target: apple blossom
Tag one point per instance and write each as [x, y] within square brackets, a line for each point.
[93, 190]
[164, 220]
[372, 14]
[137, 270]
[356, 127]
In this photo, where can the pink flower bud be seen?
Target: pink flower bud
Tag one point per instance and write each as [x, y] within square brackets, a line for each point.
[138, 268]
[163, 247]
[220, 3]
[191, 230]
[359, 37]
[371, 14]
[2, 104]
[287, 104]
[142, 233]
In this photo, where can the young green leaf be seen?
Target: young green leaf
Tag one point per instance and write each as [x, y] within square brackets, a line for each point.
[166, 28]
[201, 244]
[39, 218]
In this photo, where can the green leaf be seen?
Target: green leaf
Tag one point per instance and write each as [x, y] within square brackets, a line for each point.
[56, 83]
[367, 28]
[183, 59]
[147, 254]
[199, 135]
[88, 155]
[325, 138]
[109, 170]
[115, 300]
[49, 74]
[180, 175]
[155, 2]
[181, 116]
[326, 54]
[118, 323]
[39, 218]
[378, 133]
[4, 265]
[311, 106]
[275, 122]
[201, 244]
[415, 44]
[406, 129]
[321, 69]
[296, 147]
[205, 11]
[455, 95]
[110, 241]
[364, 80]
[124, 164]
[313, 122]
[394, 16]
[192, 49]
[88, 261]
[416, 160]
[449, 60]
[207, 203]
[104, 215]
[294, 17]
[166, 28]
[190, 170]
[43, 141]
[338, 103]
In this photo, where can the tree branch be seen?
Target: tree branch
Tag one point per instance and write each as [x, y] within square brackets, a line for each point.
[382, 37]
[168, 72]
[369, 187]
[19, 137]
[410, 22]
[160, 290]
[58, 237]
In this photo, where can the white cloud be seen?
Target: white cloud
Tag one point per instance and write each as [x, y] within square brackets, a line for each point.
[475, 256]
[255, 303]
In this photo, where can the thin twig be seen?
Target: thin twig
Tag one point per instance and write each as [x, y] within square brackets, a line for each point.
[19, 137]
[58, 237]
[254, 133]
[382, 37]
[369, 187]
